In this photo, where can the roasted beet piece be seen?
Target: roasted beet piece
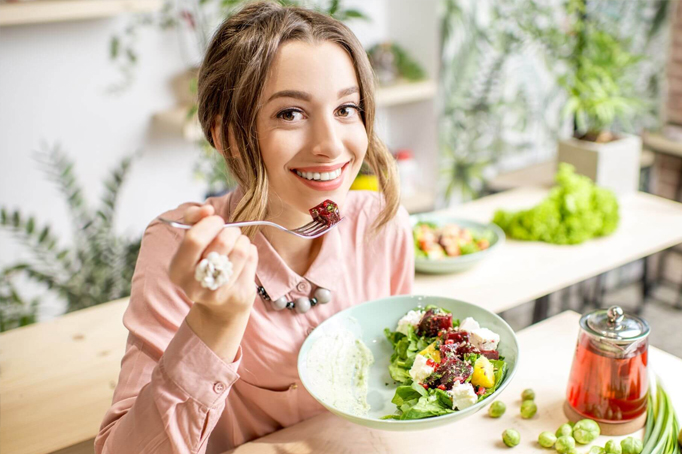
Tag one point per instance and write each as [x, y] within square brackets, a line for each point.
[432, 322]
[456, 336]
[458, 351]
[448, 372]
[326, 212]
[491, 354]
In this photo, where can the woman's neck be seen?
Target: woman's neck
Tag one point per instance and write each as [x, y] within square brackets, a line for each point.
[297, 253]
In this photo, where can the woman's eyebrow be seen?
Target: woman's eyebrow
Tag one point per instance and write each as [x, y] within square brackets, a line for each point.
[348, 91]
[290, 94]
[306, 97]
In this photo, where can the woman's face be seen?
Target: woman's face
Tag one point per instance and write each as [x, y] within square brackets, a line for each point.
[310, 131]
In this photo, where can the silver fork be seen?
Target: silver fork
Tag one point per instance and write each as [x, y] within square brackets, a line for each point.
[311, 230]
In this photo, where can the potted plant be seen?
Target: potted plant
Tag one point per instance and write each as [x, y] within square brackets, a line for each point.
[97, 266]
[600, 96]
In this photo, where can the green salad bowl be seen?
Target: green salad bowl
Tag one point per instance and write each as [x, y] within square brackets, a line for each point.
[449, 265]
[367, 322]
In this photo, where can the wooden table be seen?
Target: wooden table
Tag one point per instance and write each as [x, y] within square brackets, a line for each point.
[57, 379]
[523, 271]
[65, 370]
[545, 360]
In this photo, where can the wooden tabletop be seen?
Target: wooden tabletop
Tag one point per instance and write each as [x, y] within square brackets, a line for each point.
[57, 379]
[523, 271]
[546, 353]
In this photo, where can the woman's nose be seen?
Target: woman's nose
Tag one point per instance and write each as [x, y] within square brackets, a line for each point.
[327, 138]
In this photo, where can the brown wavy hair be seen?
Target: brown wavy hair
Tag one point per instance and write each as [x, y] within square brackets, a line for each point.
[230, 83]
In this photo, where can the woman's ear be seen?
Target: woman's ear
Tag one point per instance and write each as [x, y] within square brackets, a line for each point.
[216, 133]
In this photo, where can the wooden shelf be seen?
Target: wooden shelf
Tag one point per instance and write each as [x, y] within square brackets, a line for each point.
[42, 11]
[405, 92]
[662, 144]
[542, 174]
[176, 121]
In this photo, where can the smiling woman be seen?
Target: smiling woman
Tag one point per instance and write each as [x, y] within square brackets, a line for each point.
[306, 92]
[287, 96]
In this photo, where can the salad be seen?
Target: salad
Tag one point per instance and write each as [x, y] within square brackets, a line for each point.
[450, 240]
[442, 365]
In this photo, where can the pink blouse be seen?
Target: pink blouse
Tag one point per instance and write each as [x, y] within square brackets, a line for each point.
[175, 395]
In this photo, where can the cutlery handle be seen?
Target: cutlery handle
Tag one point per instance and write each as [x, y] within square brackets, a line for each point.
[180, 225]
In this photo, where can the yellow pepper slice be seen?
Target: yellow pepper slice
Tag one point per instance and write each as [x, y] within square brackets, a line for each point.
[484, 373]
[431, 352]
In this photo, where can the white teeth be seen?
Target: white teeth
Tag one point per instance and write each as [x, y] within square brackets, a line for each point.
[317, 176]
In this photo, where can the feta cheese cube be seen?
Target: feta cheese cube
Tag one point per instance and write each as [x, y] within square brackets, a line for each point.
[484, 339]
[420, 371]
[469, 325]
[463, 396]
[411, 318]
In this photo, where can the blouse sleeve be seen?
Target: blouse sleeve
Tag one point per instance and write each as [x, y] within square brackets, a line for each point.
[172, 387]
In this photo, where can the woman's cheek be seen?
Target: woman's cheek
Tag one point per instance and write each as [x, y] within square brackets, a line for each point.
[359, 141]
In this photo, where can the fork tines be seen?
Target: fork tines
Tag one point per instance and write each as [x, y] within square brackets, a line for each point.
[311, 228]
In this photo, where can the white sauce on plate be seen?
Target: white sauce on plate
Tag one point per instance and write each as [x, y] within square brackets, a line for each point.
[338, 368]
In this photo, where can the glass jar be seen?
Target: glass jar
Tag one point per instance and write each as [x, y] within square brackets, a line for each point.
[609, 380]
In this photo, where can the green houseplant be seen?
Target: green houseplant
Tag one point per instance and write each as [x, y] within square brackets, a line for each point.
[95, 268]
[600, 95]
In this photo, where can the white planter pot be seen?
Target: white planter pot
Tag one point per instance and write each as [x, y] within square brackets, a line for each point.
[614, 165]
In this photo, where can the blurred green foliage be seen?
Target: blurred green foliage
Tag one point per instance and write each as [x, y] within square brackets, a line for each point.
[95, 268]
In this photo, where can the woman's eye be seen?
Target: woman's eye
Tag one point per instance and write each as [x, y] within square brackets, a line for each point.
[347, 111]
[290, 115]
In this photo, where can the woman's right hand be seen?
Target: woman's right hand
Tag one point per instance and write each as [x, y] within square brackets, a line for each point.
[207, 235]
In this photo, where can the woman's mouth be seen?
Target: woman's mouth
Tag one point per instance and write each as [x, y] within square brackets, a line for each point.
[322, 178]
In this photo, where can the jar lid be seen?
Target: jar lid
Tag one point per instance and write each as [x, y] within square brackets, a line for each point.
[613, 323]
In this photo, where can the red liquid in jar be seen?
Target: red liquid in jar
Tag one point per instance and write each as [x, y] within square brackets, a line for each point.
[608, 388]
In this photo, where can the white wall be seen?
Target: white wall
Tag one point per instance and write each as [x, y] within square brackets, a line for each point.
[53, 81]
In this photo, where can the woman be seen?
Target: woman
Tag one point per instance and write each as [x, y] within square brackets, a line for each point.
[286, 95]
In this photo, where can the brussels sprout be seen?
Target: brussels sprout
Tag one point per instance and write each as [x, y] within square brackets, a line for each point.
[497, 409]
[612, 447]
[564, 429]
[585, 431]
[528, 394]
[511, 437]
[631, 445]
[546, 439]
[528, 409]
[564, 444]
[596, 450]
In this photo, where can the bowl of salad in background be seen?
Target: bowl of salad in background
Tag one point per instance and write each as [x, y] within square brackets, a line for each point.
[447, 244]
[370, 363]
